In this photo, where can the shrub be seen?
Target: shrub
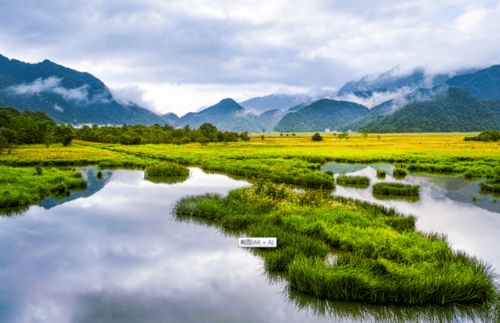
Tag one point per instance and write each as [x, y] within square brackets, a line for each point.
[490, 135]
[316, 137]
[381, 173]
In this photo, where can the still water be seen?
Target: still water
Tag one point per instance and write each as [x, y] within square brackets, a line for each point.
[114, 253]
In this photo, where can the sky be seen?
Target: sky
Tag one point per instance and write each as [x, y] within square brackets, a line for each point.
[179, 56]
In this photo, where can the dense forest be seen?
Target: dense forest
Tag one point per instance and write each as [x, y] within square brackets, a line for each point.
[29, 127]
[155, 134]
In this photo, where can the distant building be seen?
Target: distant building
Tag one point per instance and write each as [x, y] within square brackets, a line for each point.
[327, 130]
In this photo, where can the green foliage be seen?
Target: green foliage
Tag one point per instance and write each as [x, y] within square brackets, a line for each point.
[343, 135]
[399, 173]
[155, 134]
[161, 170]
[490, 135]
[357, 181]
[24, 186]
[396, 189]
[25, 128]
[381, 173]
[316, 137]
[380, 257]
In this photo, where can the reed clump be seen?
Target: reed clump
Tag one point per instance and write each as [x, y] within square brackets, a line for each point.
[399, 173]
[396, 189]
[356, 181]
[381, 173]
[166, 173]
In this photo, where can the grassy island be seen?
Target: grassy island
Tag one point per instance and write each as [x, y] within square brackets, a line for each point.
[343, 249]
[356, 181]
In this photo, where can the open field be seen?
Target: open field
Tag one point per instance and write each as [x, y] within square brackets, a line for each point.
[283, 159]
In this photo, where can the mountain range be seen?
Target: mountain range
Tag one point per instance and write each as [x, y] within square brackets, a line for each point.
[392, 101]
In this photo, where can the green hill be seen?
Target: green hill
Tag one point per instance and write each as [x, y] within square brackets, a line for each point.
[449, 111]
[320, 115]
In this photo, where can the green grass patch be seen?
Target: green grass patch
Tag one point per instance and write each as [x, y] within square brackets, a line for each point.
[399, 173]
[166, 173]
[396, 189]
[380, 257]
[356, 181]
[23, 186]
[381, 173]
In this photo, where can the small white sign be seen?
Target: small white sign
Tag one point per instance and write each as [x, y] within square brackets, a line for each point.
[250, 242]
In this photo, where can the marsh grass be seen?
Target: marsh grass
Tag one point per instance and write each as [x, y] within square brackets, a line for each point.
[399, 173]
[166, 173]
[381, 173]
[23, 186]
[491, 185]
[395, 189]
[353, 181]
[381, 258]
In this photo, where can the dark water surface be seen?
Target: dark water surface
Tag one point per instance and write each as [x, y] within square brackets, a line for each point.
[114, 253]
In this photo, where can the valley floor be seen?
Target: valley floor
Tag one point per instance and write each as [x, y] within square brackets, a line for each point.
[296, 160]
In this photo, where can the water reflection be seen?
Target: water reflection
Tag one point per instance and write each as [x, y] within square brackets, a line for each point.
[94, 184]
[119, 255]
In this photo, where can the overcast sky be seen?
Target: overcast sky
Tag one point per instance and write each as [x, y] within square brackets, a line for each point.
[180, 55]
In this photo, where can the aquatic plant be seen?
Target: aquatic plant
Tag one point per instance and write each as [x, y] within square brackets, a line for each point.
[381, 173]
[162, 170]
[396, 189]
[399, 173]
[358, 181]
[380, 257]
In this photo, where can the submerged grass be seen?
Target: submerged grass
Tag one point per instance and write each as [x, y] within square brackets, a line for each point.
[381, 258]
[356, 181]
[22, 186]
[396, 189]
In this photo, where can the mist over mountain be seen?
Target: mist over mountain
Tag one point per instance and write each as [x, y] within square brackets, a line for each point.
[399, 86]
[274, 101]
[64, 94]
[392, 101]
[451, 110]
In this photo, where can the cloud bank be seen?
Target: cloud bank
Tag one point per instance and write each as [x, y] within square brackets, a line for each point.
[237, 49]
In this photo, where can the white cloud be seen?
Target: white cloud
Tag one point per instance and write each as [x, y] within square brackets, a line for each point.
[51, 85]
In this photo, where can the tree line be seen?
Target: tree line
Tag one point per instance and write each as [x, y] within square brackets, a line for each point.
[27, 127]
